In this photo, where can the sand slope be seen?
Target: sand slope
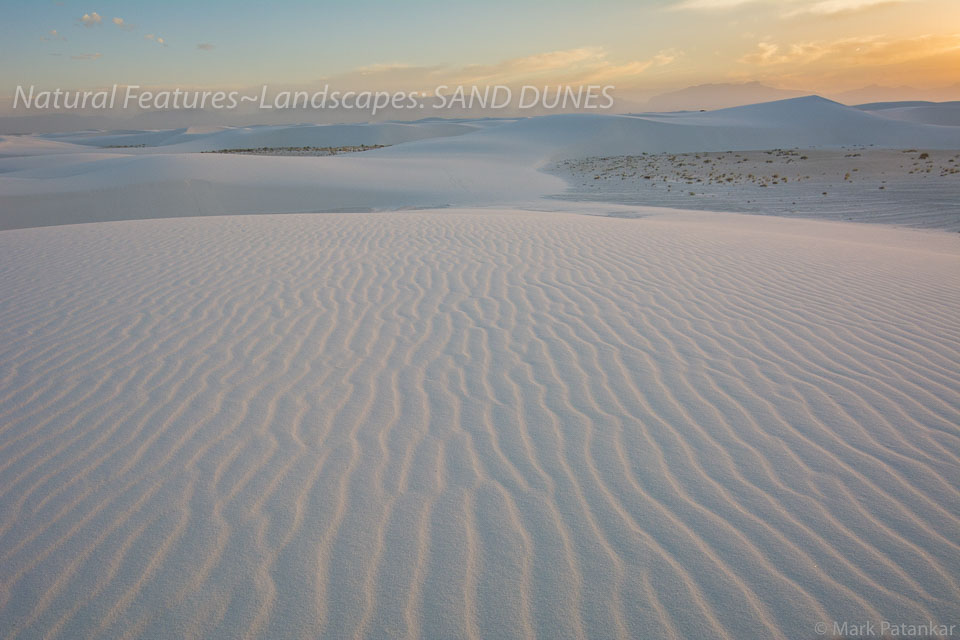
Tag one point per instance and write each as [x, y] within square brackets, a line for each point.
[299, 135]
[61, 179]
[909, 187]
[938, 113]
[477, 424]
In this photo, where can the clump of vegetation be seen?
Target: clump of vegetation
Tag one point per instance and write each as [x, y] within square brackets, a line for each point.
[299, 151]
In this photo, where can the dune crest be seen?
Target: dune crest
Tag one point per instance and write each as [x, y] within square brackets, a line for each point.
[100, 176]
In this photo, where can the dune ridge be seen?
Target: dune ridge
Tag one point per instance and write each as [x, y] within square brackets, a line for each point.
[477, 423]
[72, 178]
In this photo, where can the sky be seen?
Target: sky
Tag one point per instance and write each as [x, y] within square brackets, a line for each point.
[641, 46]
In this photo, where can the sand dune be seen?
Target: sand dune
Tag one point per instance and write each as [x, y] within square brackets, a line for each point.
[214, 138]
[477, 424]
[430, 164]
[496, 419]
[938, 113]
[910, 187]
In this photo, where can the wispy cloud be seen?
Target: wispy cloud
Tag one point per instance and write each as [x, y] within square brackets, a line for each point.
[861, 51]
[712, 5]
[790, 7]
[666, 56]
[155, 38]
[126, 26]
[518, 69]
[620, 73]
[830, 7]
[205, 46]
[91, 19]
[582, 65]
[86, 56]
[53, 34]
[841, 64]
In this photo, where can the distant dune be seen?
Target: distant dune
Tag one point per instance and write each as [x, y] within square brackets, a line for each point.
[938, 113]
[64, 178]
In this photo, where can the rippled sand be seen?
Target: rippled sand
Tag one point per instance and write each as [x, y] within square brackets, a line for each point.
[477, 424]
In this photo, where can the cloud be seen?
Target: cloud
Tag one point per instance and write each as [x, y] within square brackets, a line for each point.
[711, 5]
[852, 52]
[155, 38]
[86, 56]
[666, 56]
[205, 46]
[518, 69]
[149, 36]
[840, 64]
[548, 67]
[792, 7]
[53, 34]
[830, 7]
[126, 26]
[91, 19]
[571, 66]
[583, 65]
[614, 73]
[766, 53]
[385, 67]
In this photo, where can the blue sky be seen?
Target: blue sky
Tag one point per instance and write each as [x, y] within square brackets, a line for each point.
[652, 43]
[295, 41]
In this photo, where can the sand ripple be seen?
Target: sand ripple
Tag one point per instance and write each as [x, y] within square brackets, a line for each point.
[476, 424]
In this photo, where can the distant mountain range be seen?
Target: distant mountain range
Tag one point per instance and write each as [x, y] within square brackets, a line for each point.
[724, 95]
[718, 96]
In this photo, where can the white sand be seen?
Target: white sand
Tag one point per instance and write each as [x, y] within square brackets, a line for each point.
[467, 422]
[912, 187]
[58, 179]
